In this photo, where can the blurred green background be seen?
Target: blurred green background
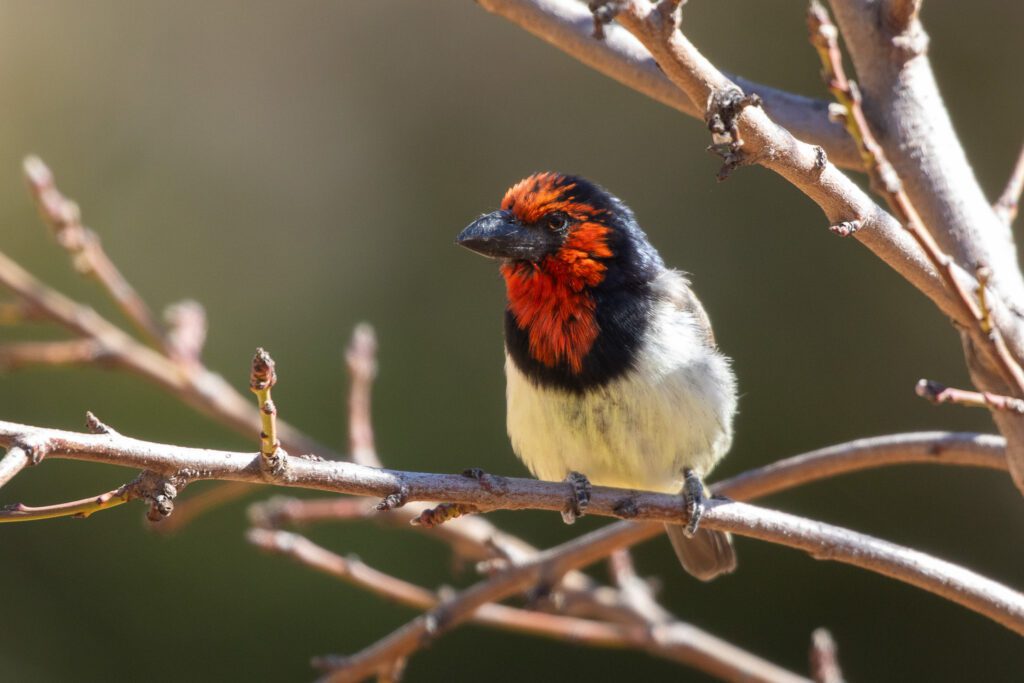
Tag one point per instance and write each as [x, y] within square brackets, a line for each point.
[334, 149]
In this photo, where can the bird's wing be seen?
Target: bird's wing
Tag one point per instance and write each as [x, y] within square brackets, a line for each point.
[674, 286]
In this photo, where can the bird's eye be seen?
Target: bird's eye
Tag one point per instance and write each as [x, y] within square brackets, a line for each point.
[557, 222]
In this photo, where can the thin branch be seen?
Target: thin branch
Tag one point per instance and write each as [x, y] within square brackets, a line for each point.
[157, 490]
[65, 219]
[361, 359]
[281, 511]
[824, 658]
[568, 26]
[694, 651]
[940, 393]
[677, 641]
[200, 388]
[186, 332]
[52, 353]
[823, 541]
[262, 378]
[1006, 206]
[946, 448]
[76, 508]
[636, 592]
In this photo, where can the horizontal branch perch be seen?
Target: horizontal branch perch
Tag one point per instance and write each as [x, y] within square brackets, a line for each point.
[489, 492]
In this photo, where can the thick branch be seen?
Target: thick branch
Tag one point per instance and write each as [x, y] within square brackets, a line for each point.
[766, 143]
[14, 461]
[906, 110]
[567, 25]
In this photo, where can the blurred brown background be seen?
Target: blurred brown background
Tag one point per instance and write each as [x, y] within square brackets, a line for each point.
[339, 147]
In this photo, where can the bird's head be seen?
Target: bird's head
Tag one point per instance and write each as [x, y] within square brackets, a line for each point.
[563, 225]
[566, 246]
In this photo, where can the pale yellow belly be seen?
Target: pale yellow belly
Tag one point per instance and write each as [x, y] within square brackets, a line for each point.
[633, 433]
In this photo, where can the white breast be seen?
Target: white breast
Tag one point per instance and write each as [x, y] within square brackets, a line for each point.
[673, 410]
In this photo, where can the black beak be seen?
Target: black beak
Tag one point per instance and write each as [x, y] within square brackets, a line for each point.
[499, 235]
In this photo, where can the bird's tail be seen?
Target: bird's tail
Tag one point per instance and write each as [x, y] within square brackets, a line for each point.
[706, 555]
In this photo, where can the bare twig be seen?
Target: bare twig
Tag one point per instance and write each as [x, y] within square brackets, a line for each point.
[186, 332]
[280, 511]
[261, 380]
[361, 359]
[940, 393]
[1006, 206]
[200, 388]
[76, 508]
[53, 353]
[636, 592]
[823, 541]
[65, 219]
[824, 658]
[157, 490]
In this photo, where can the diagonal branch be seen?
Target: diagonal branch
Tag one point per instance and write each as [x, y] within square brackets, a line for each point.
[65, 220]
[686, 645]
[679, 639]
[568, 26]
[824, 36]
[1006, 206]
[198, 387]
[906, 110]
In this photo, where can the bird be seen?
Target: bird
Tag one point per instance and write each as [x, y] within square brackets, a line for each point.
[613, 375]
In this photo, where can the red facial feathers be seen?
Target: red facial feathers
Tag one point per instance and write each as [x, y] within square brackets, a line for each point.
[550, 299]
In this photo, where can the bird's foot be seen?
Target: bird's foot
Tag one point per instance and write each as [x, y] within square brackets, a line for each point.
[693, 498]
[579, 498]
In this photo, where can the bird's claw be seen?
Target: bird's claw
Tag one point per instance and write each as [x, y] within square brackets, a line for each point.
[579, 498]
[693, 497]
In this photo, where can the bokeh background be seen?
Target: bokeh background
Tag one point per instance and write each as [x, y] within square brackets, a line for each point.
[300, 167]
